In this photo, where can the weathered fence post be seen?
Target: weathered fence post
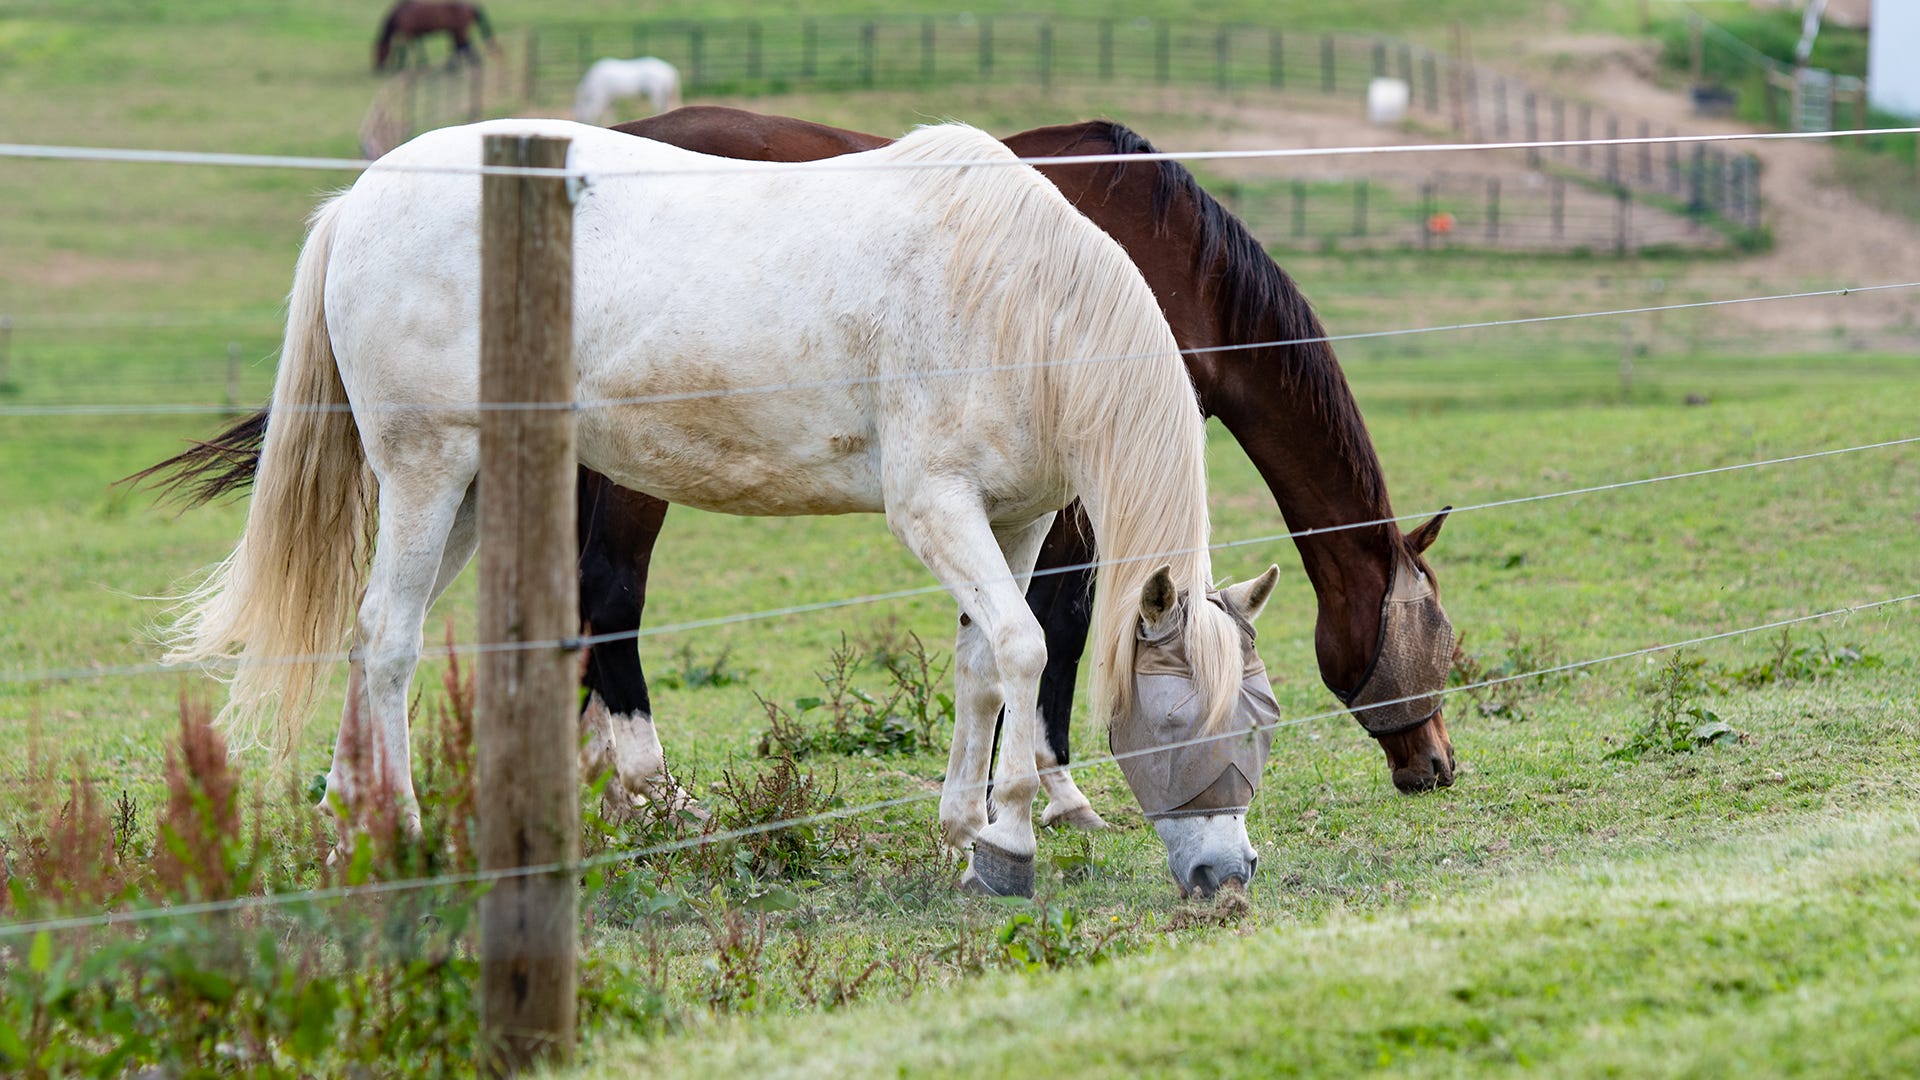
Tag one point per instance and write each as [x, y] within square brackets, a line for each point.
[525, 727]
[1622, 220]
[1613, 149]
[1533, 130]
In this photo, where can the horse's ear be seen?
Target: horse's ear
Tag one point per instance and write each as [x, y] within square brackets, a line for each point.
[1423, 537]
[1159, 596]
[1249, 598]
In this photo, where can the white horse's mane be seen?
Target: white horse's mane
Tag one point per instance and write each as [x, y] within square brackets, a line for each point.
[1114, 394]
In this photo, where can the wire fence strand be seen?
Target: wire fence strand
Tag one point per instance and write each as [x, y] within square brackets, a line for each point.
[188, 408]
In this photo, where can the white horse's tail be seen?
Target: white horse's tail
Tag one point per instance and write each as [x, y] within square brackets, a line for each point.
[283, 600]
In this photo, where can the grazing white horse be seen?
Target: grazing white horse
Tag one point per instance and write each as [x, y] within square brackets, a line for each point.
[752, 339]
[610, 80]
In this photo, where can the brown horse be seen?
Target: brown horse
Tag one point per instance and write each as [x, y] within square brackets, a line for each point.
[1288, 405]
[411, 20]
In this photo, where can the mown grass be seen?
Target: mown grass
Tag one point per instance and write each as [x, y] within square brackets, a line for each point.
[1785, 951]
[96, 254]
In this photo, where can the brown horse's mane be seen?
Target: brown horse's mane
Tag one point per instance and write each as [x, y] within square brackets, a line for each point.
[1257, 301]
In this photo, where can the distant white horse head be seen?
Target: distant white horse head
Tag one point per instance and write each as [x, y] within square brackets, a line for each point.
[610, 80]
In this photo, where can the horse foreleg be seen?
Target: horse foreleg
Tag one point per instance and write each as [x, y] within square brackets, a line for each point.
[999, 654]
[462, 50]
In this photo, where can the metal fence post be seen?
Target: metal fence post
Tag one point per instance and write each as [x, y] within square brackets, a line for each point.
[525, 725]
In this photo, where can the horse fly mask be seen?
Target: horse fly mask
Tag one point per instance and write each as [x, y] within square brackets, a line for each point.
[1200, 772]
[1415, 650]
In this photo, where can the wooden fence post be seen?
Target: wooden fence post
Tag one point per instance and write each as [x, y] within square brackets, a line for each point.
[525, 726]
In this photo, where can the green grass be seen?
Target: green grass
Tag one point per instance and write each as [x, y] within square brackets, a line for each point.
[1784, 951]
[1533, 887]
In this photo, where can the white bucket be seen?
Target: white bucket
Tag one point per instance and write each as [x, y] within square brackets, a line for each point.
[1387, 100]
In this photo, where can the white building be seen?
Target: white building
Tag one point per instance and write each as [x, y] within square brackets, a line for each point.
[1893, 57]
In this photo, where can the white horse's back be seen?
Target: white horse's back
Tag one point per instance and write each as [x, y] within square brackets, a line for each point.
[763, 321]
[610, 80]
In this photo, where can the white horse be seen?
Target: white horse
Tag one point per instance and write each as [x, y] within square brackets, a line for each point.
[610, 80]
[786, 340]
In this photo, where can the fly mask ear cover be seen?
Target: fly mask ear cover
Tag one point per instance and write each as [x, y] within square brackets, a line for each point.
[1217, 775]
[1415, 651]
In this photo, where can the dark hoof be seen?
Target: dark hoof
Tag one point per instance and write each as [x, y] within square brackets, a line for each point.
[994, 872]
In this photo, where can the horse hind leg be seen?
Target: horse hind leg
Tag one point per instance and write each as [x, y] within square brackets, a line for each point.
[427, 532]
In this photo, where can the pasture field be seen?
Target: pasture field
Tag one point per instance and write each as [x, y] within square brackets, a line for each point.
[1581, 899]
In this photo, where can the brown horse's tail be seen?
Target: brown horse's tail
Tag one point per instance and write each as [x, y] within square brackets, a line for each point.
[383, 45]
[280, 605]
[207, 470]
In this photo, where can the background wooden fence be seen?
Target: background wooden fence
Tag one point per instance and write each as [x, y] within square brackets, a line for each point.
[1695, 196]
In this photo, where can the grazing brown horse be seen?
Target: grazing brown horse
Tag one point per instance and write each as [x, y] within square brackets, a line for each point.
[1380, 635]
[410, 20]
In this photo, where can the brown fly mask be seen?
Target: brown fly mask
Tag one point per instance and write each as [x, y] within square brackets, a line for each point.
[1195, 781]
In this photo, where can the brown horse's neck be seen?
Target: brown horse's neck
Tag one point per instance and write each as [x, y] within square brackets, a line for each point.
[1350, 568]
[1290, 408]
[1288, 405]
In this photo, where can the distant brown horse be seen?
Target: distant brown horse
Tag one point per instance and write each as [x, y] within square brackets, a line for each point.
[411, 20]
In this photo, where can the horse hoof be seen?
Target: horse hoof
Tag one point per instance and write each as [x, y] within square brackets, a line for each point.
[995, 872]
[1082, 818]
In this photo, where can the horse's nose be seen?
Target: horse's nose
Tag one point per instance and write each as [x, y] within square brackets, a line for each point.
[1208, 877]
[1443, 768]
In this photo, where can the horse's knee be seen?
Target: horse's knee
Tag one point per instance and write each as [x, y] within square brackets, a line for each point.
[1020, 653]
